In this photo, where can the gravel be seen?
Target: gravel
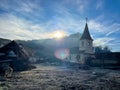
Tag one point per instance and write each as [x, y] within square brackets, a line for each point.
[60, 78]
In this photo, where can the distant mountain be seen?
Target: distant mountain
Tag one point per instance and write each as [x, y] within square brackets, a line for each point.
[47, 47]
[4, 41]
[68, 41]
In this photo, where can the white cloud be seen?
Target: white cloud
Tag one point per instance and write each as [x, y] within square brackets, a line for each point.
[19, 5]
[18, 28]
[28, 7]
[102, 41]
[24, 8]
[113, 29]
[99, 5]
[69, 24]
[67, 7]
[13, 27]
[104, 28]
[97, 27]
[111, 32]
[79, 5]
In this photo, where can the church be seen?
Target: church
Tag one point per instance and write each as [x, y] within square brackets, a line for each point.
[85, 51]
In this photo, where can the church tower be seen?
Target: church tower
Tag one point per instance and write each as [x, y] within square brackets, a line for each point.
[86, 44]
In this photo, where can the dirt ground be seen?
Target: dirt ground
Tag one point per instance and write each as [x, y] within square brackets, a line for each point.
[61, 78]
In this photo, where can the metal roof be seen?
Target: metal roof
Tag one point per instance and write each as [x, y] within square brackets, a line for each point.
[86, 34]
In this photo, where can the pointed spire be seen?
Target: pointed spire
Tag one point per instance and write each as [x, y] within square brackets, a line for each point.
[86, 34]
[86, 19]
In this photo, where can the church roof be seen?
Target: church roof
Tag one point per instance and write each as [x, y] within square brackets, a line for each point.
[86, 34]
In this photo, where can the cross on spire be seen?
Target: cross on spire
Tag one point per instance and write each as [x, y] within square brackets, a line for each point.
[86, 19]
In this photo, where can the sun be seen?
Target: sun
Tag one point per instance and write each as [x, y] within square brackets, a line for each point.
[58, 34]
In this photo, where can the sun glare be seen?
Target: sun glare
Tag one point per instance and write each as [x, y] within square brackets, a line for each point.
[59, 34]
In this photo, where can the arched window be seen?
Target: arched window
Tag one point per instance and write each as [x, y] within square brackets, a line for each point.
[78, 57]
[82, 43]
[88, 43]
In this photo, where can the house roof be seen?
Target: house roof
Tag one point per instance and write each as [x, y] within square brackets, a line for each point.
[86, 34]
[14, 46]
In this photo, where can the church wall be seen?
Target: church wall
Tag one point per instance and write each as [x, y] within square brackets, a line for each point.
[82, 58]
[73, 58]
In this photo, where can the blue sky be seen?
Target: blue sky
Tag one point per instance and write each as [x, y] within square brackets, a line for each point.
[37, 19]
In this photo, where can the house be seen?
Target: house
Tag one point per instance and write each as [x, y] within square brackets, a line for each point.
[14, 50]
[14, 54]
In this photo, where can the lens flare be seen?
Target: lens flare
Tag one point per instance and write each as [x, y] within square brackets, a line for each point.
[62, 53]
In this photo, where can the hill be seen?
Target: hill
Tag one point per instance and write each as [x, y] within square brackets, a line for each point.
[4, 41]
[47, 47]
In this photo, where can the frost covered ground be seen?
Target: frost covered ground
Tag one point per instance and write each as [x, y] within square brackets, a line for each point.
[61, 78]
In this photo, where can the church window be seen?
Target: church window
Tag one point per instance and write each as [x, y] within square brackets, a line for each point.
[88, 43]
[78, 57]
[82, 43]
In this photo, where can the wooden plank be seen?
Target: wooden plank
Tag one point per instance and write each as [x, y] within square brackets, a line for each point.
[2, 61]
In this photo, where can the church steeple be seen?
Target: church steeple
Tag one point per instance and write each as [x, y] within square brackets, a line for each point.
[86, 45]
[86, 34]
